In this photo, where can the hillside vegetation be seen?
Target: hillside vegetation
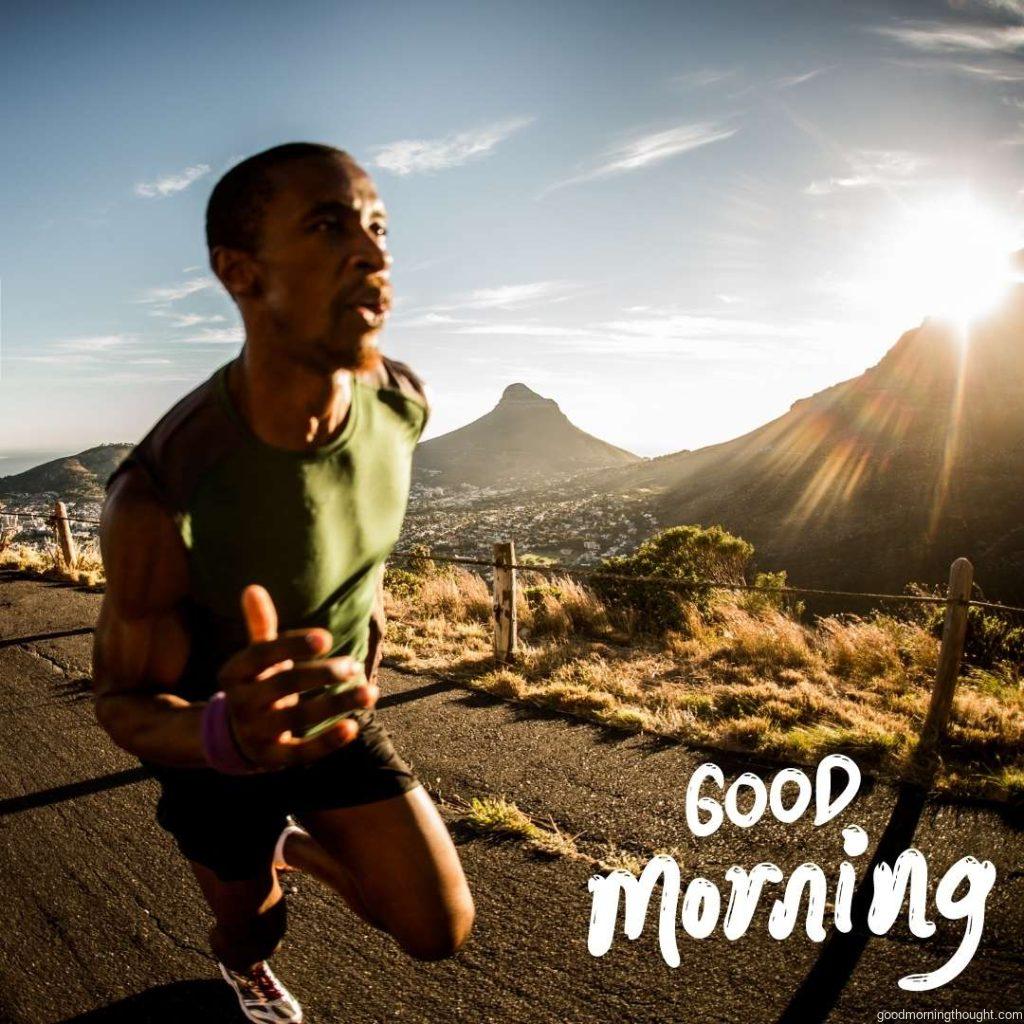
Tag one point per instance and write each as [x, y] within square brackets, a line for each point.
[726, 669]
[74, 478]
[734, 670]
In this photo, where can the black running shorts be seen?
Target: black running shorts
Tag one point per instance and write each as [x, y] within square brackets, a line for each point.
[231, 823]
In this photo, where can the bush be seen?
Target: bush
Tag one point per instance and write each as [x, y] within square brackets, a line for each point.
[683, 553]
[990, 639]
[771, 598]
[406, 579]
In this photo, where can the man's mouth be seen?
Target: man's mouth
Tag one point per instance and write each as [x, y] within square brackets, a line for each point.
[372, 308]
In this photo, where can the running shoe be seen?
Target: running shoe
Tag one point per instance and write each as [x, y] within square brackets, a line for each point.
[262, 997]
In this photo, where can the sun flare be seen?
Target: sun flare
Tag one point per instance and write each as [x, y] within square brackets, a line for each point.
[948, 258]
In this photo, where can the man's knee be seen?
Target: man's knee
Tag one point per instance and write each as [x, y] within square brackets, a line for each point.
[440, 938]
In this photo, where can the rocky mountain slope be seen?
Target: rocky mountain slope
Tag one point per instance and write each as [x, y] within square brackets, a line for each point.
[524, 439]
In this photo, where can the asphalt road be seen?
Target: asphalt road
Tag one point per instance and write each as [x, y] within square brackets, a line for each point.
[104, 923]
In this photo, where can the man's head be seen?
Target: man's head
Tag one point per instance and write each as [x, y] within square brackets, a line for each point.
[297, 235]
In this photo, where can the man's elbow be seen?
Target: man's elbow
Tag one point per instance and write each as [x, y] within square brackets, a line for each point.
[110, 713]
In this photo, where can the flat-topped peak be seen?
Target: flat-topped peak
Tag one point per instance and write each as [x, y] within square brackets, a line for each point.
[521, 393]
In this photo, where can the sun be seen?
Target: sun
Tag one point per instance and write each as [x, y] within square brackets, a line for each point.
[948, 258]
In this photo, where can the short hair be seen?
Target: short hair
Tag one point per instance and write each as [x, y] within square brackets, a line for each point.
[234, 213]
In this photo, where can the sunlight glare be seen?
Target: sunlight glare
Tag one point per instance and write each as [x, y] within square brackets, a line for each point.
[948, 258]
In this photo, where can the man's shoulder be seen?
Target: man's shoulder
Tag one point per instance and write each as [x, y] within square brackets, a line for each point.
[399, 376]
[192, 434]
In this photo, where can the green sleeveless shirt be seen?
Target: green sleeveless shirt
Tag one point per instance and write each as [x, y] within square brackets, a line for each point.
[313, 527]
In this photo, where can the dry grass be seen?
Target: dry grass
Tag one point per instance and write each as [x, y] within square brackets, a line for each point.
[499, 819]
[744, 675]
[48, 563]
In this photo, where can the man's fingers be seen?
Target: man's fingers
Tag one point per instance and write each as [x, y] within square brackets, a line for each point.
[260, 613]
[304, 716]
[301, 751]
[296, 645]
[310, 675]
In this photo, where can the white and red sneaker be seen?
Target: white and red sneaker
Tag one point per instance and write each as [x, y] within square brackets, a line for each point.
[262, 997]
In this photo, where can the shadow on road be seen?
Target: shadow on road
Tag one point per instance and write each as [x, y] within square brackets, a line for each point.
[394, 699]
[817, 995]
[198, 1002]
[14, 641]
[45, 797]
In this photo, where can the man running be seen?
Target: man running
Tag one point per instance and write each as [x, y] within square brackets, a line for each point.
[244, 540]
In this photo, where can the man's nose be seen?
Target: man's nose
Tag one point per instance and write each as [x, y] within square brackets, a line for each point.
[372, 257]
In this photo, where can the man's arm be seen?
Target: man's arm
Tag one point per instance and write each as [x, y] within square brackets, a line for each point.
[142, 644]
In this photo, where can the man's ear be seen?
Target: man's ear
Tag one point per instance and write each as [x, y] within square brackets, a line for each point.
[236, 270]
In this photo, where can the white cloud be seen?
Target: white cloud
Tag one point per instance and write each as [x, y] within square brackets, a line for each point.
[125, 377]
[508, 296]
[98, 343]
[187, 319]
[701, 336]
[409, 156]
[651, 149]
[687, 326]
[700, 78]
[428, 319]
[790, 81]
[216, 336]
[946, 37]
[174, 292]
[512, 295]
[63, 359]
[872, 168]
[171, 183]
[528, 330]
[1014, 7]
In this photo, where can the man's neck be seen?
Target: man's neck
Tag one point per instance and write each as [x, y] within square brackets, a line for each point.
[287, 404]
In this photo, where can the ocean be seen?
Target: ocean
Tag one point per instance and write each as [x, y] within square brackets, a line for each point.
[19, 461]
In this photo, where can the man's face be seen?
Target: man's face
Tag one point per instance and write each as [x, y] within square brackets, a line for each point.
[322, 264]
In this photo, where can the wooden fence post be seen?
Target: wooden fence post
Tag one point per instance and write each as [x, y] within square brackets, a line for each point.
[961, 579]
[65, 542]
[506, 641]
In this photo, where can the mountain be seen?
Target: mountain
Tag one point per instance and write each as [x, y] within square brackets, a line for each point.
[882, 479]
[524, 439]
[76, 477]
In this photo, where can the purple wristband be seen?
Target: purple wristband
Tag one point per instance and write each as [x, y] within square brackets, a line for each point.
[219, 746]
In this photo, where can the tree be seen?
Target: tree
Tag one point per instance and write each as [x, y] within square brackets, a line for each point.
[691, 555]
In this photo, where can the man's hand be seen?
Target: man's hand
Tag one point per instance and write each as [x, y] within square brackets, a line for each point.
[264, 682]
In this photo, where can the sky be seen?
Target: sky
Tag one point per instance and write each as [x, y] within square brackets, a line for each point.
[675, 219]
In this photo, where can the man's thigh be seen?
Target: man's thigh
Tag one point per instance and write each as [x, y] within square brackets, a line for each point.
[406, 867]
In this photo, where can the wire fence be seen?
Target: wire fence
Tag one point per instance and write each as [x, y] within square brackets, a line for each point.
[957, 602]
[577, 572]
[46, 517]
[555, 569]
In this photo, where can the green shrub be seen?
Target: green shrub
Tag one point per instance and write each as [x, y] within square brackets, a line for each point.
[757, 602]
[405, 577]
[683, 553]
[990, 638]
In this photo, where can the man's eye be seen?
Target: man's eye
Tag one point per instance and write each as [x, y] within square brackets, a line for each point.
[380, 230]
[329, 224]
